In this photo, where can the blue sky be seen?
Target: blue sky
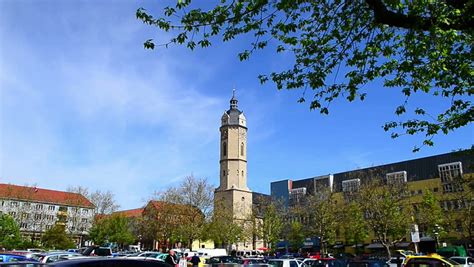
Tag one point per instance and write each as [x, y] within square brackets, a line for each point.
[82, 103]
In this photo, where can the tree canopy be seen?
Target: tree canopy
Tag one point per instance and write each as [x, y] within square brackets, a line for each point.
[420, 46]
[57, 238]
[9, 232]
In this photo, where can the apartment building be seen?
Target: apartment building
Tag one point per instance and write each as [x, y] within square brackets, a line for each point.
[37, 210]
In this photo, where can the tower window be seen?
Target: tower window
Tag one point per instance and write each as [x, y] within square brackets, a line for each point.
[242, 173]
[224, 149]
[242, 149]
[223, 172]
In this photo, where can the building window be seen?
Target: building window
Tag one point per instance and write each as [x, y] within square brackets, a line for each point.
[48, 227]
[242, 149]
[14, 204]
[52, 207]
[436, 189]
[224, 149]
[451, 176]
[352, 185]
[450, 171]
[223, 172]
[12, 213]
[396, 177]
[37, 216]
[296, 194]
[242, 173]
[39, 206]
[23, 225]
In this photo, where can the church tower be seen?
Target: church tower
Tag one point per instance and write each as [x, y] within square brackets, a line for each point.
[233, 193]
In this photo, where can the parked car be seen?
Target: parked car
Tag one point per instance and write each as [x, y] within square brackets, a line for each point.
[433, 260]
[323, 262]
[367, 263]
[106, 262]
[396, 261]
[252, 261]
[284, 263]
[452, 251]
[97, 251]
[224, 259]
[464, 261]
[55, 256]
[150, 255]
[14, 258]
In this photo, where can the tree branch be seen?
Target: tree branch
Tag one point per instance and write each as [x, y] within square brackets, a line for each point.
[395, 19]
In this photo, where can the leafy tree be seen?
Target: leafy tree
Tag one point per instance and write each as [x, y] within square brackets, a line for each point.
[112, 228]
[322, 217]
[354, 224]
[418, 46]
[296, 235]
[386, 210]
[429, 213]
[223, 228]
[272, 224]
[57, 238]
[9, 232]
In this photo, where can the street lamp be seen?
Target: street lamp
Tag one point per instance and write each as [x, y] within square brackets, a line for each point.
[436, 231]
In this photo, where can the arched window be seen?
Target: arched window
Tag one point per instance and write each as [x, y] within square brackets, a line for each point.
[242, 173]
[224, 149]
[223, 172]
[242, 152]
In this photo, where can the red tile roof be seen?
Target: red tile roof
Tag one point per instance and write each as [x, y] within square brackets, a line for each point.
[130, 213]
[25, 193]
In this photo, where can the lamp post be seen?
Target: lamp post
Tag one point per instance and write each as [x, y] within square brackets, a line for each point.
[436, 231]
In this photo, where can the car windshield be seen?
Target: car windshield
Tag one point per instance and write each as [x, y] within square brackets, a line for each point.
[459, 260]
[453, 261]
[276, 263]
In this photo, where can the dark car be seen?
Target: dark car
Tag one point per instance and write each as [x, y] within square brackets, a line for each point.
[367, 263]
[97, 251]
[223, 259]
[109, 262]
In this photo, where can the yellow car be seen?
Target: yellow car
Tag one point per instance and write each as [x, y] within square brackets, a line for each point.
[432, 260]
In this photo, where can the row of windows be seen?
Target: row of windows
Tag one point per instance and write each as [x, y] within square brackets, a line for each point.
[449, 173]
[16, 204]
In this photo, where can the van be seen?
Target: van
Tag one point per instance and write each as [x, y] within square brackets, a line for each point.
[211, 252]
[452, 251]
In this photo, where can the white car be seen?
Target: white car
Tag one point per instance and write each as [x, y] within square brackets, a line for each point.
[150, 256]
[56, 256]
[464, 261]
[284, 263]
[395, 262]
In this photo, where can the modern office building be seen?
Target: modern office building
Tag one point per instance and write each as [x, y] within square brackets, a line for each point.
[441, 174]
[37, 210]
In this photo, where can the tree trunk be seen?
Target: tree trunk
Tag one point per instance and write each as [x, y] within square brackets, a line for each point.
[387, 247]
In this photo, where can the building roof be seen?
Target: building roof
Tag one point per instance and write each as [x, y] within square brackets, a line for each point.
[41, 195]
[131, 213]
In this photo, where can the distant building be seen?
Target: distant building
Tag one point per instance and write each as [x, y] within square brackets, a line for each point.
[169, 216]
[37, 210]
[441, 174]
